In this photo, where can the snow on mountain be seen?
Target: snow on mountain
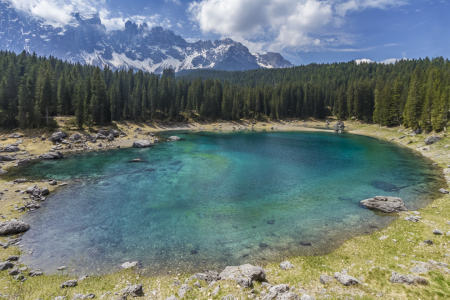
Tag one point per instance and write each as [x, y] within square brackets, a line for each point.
[84, 39]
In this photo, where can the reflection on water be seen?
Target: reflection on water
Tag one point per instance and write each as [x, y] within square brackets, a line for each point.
[212, 200]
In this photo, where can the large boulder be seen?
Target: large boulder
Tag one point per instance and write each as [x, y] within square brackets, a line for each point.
[15, 135]
[110, 137]
[57, 136]
[280, 291]
[253, 272]
[174, 138]
[432, 139]
[33, 190]
[339, 126]
[6, 265]
[69, 283]
[75, 137]
[100, 136]
[142, 144]
[345, 279]
[407, 279]
[51, 155]
[133, 290]
[6, 158]
[13, 227]
[103, 132]
[114, 133]
[11, 148]
[385, 204]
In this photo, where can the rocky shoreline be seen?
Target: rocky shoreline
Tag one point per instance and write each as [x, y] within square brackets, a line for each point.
[249, 281]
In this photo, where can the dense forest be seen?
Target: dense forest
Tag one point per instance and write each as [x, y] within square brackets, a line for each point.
[414, 93]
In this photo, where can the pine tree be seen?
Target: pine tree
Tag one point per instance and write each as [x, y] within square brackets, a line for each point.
[414, 102]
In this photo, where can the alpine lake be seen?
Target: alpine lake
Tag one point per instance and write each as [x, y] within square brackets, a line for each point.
[211, 200]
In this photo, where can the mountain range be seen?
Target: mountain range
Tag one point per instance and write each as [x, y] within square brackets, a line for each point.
[85, 39]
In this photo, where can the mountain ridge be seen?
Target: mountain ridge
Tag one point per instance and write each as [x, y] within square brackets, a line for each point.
[85, 39]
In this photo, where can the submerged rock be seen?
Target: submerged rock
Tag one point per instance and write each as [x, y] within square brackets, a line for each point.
[174, 138]
[13, 227]
[385, 186]
[385, 204]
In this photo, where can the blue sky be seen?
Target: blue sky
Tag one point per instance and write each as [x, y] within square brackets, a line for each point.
[303, 31]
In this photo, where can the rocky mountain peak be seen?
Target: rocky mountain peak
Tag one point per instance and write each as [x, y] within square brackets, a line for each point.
[86, 40]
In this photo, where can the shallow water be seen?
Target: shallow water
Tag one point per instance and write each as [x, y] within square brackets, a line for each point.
[212, 200]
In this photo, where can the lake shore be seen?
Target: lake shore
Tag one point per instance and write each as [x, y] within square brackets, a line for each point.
[367, 258]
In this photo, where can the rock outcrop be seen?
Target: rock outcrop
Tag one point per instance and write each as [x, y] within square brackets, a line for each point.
[13, 227]
[52, 155]
[346, 279]
[407, 279]
[142, 144]
[385, 204]
[57, 136]
[133, 291]
[432, 139]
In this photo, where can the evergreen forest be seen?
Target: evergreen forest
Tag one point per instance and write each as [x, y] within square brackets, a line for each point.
[35, 89]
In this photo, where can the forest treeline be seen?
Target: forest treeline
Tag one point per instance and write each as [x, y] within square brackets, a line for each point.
[414, 93]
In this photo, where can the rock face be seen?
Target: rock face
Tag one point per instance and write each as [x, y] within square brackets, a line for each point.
[407, 279]
[13, 227]
[339, 126]
[345, 279]
[142, 144]
[432, 139]
[385, 204]
[286, 265]
[57, 136]
[133, 291]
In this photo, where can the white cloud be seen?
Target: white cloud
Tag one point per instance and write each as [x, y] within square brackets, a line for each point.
[177, 2]
[283, 24]
[55, 12]
[357, 5]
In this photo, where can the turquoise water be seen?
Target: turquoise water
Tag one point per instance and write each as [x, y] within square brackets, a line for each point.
[217, 199]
